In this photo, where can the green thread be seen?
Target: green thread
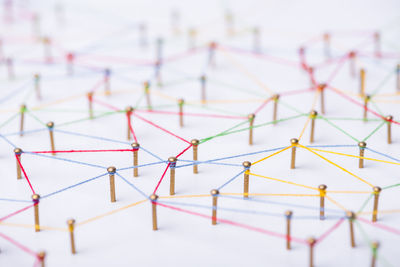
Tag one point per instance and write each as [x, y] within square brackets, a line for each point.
[340, 129]
[374, 131]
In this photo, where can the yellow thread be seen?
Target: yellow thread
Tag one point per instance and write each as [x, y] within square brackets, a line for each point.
[110, 212]
[380, 212]
[266, 194]
[275, 179]
[33, 226]
[336, 203]
[354, 156]
[276, 153]
[349, 192]
[343, 169]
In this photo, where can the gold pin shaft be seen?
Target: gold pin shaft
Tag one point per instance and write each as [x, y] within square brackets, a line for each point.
[311, 255]
[288, 238]
[52, 142]
[36, 212]
[135, 163]
[154, 214]
[214, 211]
[375, 210]
[322, 96]
[361, 161]
[181, 115]
[195, 158]
[389, 132]
[112, 187]
[362, 82]
[172, 180]
[251, 131]
[275, 114]
[246, 184]
[72, 238]
[19, 173]
[322, 205]
[21, 133]
[352, 240]
[312, 129]
[293, 159]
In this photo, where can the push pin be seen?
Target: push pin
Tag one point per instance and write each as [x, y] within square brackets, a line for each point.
[367, 98]
[180, 105]
[71, 228]
[143, 35]
[47, 49]
[50, 125]
[362, 82]
[70, 63]
[129, 111]
[376, 191]
[322, 194]
[214, 194]
[22, 112]
[10, 68]
[195, 146]
[157, 73]
[351, 216]
[275, 98]
[229, 23]
[111, 171]
[90, 102]
[288, 215]
[352, 57]
[107, 87]
[153, 199]
[18, 152]
[36, 199]
[321, 89]
[36, 80]
[41, 257]
[377, 38]
[251, 118]
[159, 47]
[211, 53]
[246, 177]
[147, 93]
[256, 40]
[389, 120]
[398, 77]
[203, 80]
[294, 143]
[172, 165]
[327, 45]
[374, 246]
[311, 242]
[135, 147]
[313, 116]
[362, 146]
[192, 38]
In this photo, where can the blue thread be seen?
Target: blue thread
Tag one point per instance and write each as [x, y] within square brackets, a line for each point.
[26, 132]
[91, 136]
[152, 154]
[72, 186]
[68, 160]
[8, 141]
[139, 166]
[15, 92]
[134, 187]
[193, 162]
[230, 180]
[382, 154]
[15, 200]
[333, 146]
[247, 211]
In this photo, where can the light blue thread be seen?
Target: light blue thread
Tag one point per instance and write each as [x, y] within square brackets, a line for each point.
[333, 146]
[68, 160]
[152, 154]
[72, 186]
[8, 141]
[15, 92]
[26, 132]
[134, 187]
[230, 180]
[193, 162]
[382, 154]
[15, 200]
[91, 136]
[246, 211]
[139, 166]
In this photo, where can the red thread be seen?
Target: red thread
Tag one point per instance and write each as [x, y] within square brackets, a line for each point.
[262, 105]
[23, 170]
[159, 127]
[71, 151]
[324, 235]
[128, 116]
[295, 92]
[384, 227]
[16, 212]
[162, 177]
[248, 227]
[177, 156]
[26, 249]
[106, 105]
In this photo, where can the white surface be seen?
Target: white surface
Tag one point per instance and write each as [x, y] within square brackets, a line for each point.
[105, 28]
